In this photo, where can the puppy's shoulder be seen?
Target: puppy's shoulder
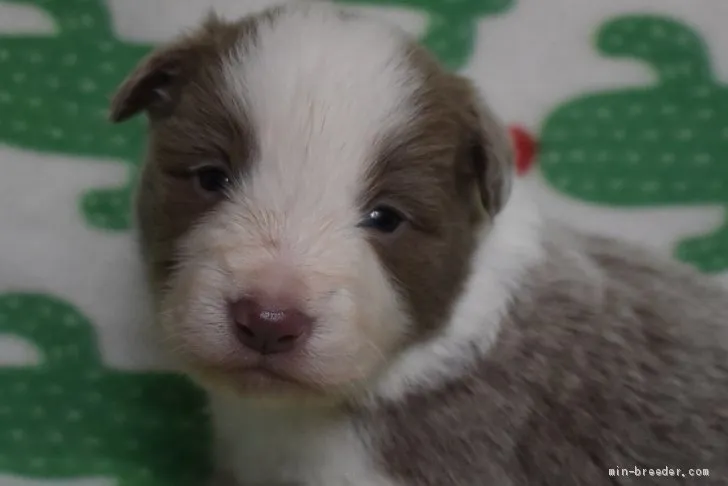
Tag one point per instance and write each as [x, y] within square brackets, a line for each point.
[605, 355]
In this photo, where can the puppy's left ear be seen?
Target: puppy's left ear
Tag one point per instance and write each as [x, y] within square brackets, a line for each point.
[491, 157]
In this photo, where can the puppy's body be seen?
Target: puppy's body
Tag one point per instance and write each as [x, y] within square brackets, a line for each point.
[317, 176]
[608, 358]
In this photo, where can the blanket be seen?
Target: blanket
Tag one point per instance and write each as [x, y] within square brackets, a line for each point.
[616, 109]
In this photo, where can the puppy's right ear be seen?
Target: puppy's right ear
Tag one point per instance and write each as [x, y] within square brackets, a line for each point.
[155, 84]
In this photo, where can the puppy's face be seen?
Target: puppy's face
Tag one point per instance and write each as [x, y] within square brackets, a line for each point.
[313, 191]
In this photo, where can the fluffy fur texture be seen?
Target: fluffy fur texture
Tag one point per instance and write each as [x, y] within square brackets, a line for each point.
[607, 358]
[476, 344]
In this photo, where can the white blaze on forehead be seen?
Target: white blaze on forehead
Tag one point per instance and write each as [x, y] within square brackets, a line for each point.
[319, 91]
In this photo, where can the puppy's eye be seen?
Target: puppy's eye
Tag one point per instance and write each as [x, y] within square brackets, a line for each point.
[212, 179]
[383, 218]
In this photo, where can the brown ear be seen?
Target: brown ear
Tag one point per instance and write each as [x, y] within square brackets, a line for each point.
[492, 159]
[154, 85]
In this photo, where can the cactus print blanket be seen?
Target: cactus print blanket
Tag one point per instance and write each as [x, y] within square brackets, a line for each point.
[616, 108]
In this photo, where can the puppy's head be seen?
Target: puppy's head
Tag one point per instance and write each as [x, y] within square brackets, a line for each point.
[314, 188]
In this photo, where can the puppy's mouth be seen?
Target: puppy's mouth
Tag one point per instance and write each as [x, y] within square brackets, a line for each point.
[262, 375]
[255, 378]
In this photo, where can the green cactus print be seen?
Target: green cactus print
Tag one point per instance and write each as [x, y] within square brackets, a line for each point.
[54, 93]
[452, 29]
[70, 417]
[663, 144]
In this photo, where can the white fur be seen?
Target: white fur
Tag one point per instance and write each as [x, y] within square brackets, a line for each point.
[293, 445]
[505, 253]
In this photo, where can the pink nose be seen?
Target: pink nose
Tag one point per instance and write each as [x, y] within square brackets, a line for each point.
[269, 329]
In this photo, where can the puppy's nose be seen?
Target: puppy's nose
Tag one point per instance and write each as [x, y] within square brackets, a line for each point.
[269, 329]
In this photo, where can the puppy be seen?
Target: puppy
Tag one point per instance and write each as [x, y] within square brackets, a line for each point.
[338, 257]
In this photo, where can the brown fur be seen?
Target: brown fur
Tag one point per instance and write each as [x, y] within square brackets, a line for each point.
[440, 172]
[195, 125]
[609, 358]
